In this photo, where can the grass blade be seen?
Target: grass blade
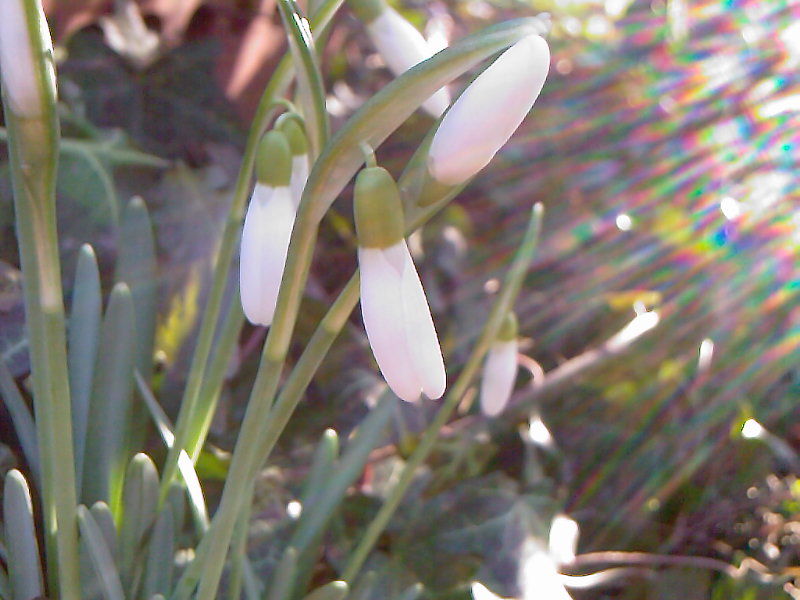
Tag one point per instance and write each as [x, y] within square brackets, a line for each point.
[160, 556]
[110, 405]
[102, 562]
[335, 590]
[140, 500]
[136, 266]
[283, 576]
[84, 328]
[24, 567]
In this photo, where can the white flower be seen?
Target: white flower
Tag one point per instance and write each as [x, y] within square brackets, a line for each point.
[402, 46]
[399, 324]
[22, 58]
[265, 242]
[499, 375]
[489, 111]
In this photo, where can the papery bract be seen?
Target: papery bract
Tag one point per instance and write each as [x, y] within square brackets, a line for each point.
[489, 111]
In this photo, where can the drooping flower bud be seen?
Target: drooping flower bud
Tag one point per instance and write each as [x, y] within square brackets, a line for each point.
[393, 305]
[489, 111]
[267, 229]
[500, 369]
[26, 63]
[400, 45]
[299, 146]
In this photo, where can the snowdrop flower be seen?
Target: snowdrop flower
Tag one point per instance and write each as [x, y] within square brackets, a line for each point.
[299, 146]
[267, 229]
[500, 369]
[489, 111]
[393, 305]
[26, 65]
[400, 45]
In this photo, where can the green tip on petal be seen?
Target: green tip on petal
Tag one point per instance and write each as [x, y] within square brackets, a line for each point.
[367, 10]
[508, 330]
[274, 160]
[378, 209]
[288, 124]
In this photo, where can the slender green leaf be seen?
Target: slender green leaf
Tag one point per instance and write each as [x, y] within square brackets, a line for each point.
[84, 328]
[99, 555]
[322, 466]
[185, 466]
[313, 521]
[24, 567]
[24, 425]
[104, 460]
[136, 266]
[282, 581]
[335, 590]
[309, 77]
[140, 500]
[105, 521]
[160, 556]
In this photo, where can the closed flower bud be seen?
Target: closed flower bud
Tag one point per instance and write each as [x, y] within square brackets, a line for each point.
[26, 62]
[267, 229]
[400, 45]
[500, 369]
[393, 305]
[489, 111]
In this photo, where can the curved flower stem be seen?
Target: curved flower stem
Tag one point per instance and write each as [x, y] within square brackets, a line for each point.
[502, 305]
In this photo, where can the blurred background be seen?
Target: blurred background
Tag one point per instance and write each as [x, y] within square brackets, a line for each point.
[664, 148]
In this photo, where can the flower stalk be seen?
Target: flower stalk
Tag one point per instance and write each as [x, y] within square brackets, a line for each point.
[29, 99]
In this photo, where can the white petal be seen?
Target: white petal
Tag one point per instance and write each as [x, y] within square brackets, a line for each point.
[423, 343]
[489, 111]
[265, 242]
[20, 84]
[299, 177]
[563, 540]
[402, 46]
[539, 578]
[499, 375]
[382, 309]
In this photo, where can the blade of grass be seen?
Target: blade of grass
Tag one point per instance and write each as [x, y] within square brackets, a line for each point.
[136, 266]
[185, 464]
[160, 556]
[140, 498]
[313, 521]
[282, 581]
[111, 395]
[99, 555]
[84, 328]
[24, 567]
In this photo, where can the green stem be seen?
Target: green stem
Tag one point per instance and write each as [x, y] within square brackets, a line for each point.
[33, 153]
[501, 307]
